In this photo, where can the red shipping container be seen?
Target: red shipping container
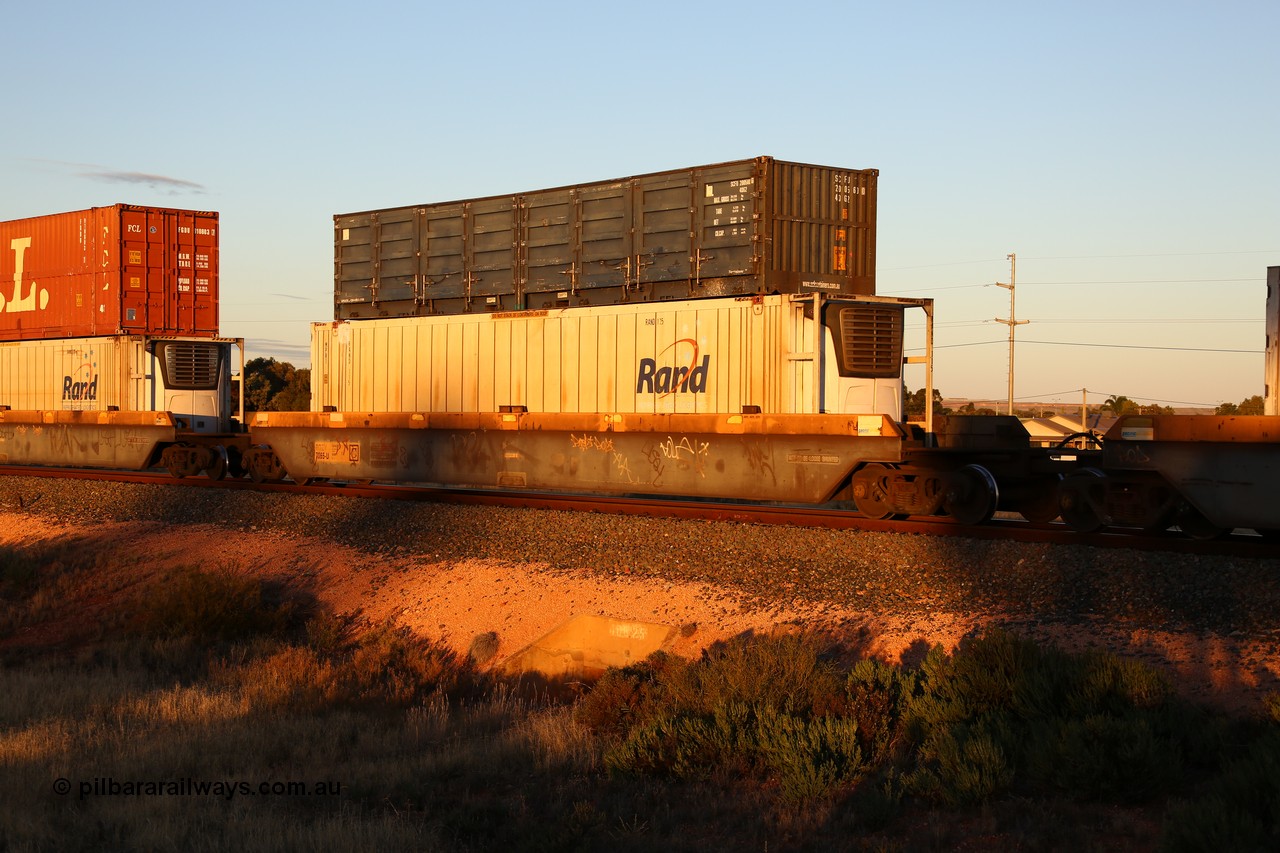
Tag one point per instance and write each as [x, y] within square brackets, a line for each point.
[113, 270]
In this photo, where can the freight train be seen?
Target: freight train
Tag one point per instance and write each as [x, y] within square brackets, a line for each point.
[702, 333]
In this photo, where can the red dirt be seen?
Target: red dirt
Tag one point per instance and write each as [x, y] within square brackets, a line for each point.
[456, 600]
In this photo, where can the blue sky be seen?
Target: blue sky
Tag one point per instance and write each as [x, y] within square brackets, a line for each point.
[1125, 151]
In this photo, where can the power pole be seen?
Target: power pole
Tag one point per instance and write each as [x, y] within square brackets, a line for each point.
[1012, 321]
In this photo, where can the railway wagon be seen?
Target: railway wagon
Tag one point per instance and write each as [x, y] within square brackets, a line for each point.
[744, 227]
[104, 271]
[128, 401]
[760, 398]
[784, 354]
[1205, 474]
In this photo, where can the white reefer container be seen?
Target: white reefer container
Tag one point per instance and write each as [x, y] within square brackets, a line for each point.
[780, 354]
[129, 373]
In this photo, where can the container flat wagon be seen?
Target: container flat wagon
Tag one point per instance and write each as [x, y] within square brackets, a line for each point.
[123, 401]
[115, 270]
[745, 227]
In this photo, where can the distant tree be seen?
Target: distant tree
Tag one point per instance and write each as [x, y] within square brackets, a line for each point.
[1249, 406]
[913, 404]
[277, 386]
[1153, 409]
[1119, 405]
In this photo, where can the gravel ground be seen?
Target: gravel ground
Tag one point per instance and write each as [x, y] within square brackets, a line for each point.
[1038, 590]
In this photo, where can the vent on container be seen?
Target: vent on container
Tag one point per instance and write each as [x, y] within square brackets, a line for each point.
[190, 365]
[871, 341]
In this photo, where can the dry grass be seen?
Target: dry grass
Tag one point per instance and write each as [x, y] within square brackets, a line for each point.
[215, 679]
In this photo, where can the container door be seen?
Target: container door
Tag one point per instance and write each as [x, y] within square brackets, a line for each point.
[169, 279]
[136, 268]
[490, 246]
[663, 239]
[549, 240]
[604, 237]
[197, 263]
[726, 204]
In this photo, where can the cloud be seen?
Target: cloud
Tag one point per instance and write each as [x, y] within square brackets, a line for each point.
[95, 172]
[299, 355]
[155, 182]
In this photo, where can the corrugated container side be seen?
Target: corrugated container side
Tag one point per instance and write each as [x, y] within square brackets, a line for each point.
[690, 357]
[107, 271]
[747, 227]
[75, 374]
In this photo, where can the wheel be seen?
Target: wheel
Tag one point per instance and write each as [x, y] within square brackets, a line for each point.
[235, 464]
[263, 465]
[871, 491]
[1073, 500]
[180, 461]
[972, 495]
[1193, 523]
[1043, 507]
[217, 469]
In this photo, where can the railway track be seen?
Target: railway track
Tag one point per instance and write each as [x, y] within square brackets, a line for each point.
[1003, 527]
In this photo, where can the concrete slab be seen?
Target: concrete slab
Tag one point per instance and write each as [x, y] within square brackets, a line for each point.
[585, 646]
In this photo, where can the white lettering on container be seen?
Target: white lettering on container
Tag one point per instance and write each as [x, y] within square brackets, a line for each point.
[17, 302]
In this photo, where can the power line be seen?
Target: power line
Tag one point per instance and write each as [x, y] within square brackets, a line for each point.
[1088, 258]
[1157, 255]
[1254, 280]
[1102, 346]
[1138, 346]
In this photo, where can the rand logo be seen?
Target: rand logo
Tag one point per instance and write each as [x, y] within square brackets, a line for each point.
[19, 301]
[673, 376]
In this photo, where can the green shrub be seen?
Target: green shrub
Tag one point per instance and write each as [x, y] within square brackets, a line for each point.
[787, 672]
[809, 756]
[961, 766]
[207, 606]
[388, 666]
[1124, 757]
[687, 744]
[1240, 808]
[18, 571]
[392, 666]
[879, 697]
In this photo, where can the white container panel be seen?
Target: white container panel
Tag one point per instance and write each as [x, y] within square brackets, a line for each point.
[588, 353]
[74, 374]
[692, 357]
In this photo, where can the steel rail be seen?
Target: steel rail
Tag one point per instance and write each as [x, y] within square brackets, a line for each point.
[1006, 528]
